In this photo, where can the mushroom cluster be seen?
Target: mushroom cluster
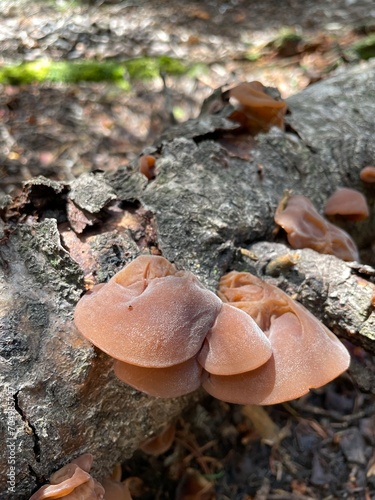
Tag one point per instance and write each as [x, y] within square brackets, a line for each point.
[169, 335]
[165, 329]
[305, 354]
[306, 228]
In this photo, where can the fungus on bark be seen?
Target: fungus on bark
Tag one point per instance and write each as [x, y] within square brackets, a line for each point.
[169, 335]
[146, 164]
[306, 228]
[164, 328]
[149, 314]
[228, 348]
[257, 110]
[367, 174]
[348, 203]
[305, 353]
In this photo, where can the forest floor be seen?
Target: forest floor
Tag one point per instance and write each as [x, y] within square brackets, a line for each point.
[318, 447]
[62, 129]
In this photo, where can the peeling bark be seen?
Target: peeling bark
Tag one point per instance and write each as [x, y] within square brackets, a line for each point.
[204, 206]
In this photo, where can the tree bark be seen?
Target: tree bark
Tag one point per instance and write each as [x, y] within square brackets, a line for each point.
[59, 397]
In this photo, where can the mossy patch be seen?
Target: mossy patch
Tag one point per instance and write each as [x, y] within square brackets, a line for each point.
[120, 73]
[287, 42]
[365, 48]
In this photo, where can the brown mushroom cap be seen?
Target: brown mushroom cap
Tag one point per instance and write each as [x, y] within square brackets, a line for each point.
[145, 267]
[71, 478]
[235, 344]
[349, 203]
[168, 382]
[305, 353]
[341, 244]
[252, 94]
[306, 228]
[160, 443]
[367, 174]
[83, 461]
[115, 489]
[258, 111]
[146, 164]
[148, 314]
[72, 482]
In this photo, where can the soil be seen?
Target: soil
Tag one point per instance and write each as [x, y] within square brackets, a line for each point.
[318, 447]
[322, 449]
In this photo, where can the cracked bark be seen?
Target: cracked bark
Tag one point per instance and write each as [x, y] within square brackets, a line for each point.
[203, 207]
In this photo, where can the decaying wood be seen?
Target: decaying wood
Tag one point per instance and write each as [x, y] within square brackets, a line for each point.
[59, 395]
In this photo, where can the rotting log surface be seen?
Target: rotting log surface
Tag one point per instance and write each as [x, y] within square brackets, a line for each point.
[59, 396]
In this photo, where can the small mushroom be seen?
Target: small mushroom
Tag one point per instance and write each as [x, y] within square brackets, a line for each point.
[157, 445]
[306, 228]
[146, 164]
[367, 174]
[348, 203]
[72, 482]
[305, 353]
[257, 110]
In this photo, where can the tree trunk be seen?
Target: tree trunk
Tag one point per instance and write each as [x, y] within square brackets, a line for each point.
[59, 396]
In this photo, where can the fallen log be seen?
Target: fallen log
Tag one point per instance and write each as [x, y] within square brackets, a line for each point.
[206, 210]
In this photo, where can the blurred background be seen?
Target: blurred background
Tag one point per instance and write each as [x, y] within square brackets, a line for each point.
[87, 84]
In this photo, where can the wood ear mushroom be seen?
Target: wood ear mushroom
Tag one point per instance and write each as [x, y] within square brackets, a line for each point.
[306, 228]
[169, 335]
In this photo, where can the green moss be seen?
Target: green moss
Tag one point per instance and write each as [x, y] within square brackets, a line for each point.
[198, 69]
[365, 48]
[254, 53]
[287, 42]
[62, 71]
[171, 66]
[142, 69]
[286, 34]
[179, 113]
[24, 73]
[120, 73]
